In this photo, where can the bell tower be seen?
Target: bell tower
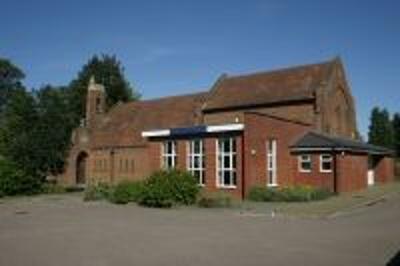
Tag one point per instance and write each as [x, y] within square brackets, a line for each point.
[95, 101]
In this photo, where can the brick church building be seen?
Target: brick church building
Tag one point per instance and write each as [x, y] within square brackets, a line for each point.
[277, 128]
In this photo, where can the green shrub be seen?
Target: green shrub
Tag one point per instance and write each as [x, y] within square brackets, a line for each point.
[71, 189]
[165, 188]
[215, 200]
[288, 194]
[98, 191]
[14, 181]
[49, 188]
[127, 191]
[263, 194]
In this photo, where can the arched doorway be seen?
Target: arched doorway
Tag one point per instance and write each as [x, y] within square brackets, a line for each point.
[81, 165]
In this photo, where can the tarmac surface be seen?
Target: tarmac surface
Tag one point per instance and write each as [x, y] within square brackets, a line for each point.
[63, 230]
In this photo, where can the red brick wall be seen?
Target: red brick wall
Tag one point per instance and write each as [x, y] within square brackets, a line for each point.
[384, 170]
[154, 151]
[352, 172]
[300, 112]
[315, 178]
[260, 128]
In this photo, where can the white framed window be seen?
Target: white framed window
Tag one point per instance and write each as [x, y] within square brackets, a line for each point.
[325, 163]
[168, 154]
[226, 162]
[304, 163]
[195, 163]
[271, 163]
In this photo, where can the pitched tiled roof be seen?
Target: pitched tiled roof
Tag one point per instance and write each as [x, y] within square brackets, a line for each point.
[295, 83]
[124, 124]
[316, 140]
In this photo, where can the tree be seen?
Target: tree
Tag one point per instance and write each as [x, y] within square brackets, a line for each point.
[380, 129]
[10, 80]
[396, 132]
[16, 131]
[52, 132]
[108, 71]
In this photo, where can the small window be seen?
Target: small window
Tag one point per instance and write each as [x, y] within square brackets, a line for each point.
[105, 165]
[305, 163]
[126, 165]
[169, 154]
[132, 165]
[325, 163]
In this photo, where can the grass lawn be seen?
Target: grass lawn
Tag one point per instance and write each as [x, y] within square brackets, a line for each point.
[330, 207]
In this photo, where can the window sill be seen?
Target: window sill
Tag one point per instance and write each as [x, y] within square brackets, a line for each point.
[227, 187]
[305, 171]
[325, 171]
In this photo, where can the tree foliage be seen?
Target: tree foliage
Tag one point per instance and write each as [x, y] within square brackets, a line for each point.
[396, 132]
[380, 129]
[17, 142]
[52, 131]
[108, 71]
[36, 126]
[10, 80]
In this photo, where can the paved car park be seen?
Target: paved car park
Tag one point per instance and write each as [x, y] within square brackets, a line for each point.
[64, 230]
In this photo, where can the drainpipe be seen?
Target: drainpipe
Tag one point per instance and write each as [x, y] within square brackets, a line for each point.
[243, 168]
[335, 174]
[112, 152]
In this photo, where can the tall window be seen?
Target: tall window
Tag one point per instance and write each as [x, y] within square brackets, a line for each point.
[304, 163]
[325, 163]
[169, 154]
[196, 160]
[226, 162]
[98, 110]
[271, 162]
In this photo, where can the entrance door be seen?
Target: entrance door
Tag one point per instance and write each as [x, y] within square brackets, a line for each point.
[371, 170]
[81, 168]
[371, 177]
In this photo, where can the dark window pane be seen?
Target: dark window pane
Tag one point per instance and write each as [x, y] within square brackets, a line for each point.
[196, 162]
[227, 178]
[227, 145]
[227, 163]
[326, 166]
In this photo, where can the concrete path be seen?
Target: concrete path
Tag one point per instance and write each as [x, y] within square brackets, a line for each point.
[63, 230]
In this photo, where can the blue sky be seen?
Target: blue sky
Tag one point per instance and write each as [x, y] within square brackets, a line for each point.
[174, 47]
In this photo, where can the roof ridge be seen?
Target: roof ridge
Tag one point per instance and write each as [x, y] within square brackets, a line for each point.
[282, 69]
[173, 97]
[324, 136]
[280, 118]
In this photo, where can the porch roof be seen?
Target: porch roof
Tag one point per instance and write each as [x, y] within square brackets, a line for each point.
[315, 141]
[193, 130]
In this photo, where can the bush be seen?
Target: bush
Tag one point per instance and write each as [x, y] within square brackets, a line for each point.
[165, 188]
[127, 191]
[98, 191]
[288, 194]
[14, 181]
[262, 194]
[71, 189]
[48, 188]
[215, 200]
